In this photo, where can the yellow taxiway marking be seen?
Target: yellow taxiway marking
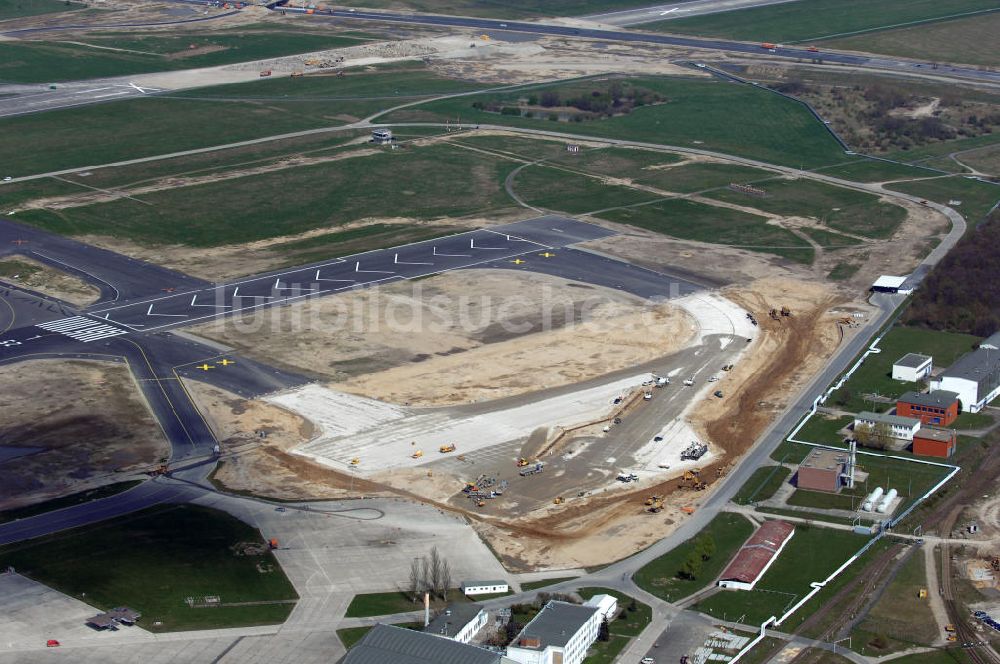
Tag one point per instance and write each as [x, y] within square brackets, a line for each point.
[547, 254]
[205, 367]
[226, 363]
[517, 261]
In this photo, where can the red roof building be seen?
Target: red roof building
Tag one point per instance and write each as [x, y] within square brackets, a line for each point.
[756, 555]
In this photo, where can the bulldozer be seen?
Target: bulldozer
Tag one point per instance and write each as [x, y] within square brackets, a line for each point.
[656, 506]
[417, 454]
[653, 499]
[522, 462]
[559, 500]
[447, 448]
[355, 461]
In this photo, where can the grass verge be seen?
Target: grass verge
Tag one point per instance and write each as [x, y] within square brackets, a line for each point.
[763, 484]
[154, 559]
[662, 577]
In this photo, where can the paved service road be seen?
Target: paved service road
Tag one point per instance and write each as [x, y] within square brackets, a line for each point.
[675, 10]
[119, 277]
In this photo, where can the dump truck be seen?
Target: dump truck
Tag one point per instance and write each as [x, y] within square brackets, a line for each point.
[444, 449]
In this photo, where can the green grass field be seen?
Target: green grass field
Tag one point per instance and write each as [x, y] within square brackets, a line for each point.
[817, 19]
[840, 209]
[23, 8]
[689, 220]
[763, 484]
[606, 652]
[978, 198]
[910, 479]
[93, 135]
[952, 41]
[536, 585]
[900, 613]
[875, 374]
[359, 240]
[811, 555]
[660, 577]
[557, 189]
[822, 428]
[870, 170]
[384, 604]
[295, 200]
[103, 56]
[735, 119]
[154, 559]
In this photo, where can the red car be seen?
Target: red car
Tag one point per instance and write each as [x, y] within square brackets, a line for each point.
[52, 643]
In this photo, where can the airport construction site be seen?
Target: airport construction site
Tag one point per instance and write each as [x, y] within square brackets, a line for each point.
[619, 458]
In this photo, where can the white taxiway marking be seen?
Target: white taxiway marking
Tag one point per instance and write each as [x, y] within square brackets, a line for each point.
[149, 312]
[399, 262]
[438, 253]
[357, 268]
[217, 306]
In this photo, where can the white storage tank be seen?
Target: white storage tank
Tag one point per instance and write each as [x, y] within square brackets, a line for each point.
[887, 501]
[872, 500]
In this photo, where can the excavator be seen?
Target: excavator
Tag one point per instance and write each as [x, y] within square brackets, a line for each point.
[444, 449]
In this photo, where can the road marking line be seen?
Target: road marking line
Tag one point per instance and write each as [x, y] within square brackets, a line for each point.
[437, 253]
[149, 312]
[217, 306]
[318, 278]
[357, 268]
[396, 261]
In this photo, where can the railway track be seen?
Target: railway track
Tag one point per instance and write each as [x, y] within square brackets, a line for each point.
[958, 615]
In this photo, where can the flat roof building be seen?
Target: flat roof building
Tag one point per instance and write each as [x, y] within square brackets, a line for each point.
[561, 633]
[891, 284]
[933, 442]
[459, 622]
[756, 556]
[485, 587]
[822, 470]
[912, 367]
[899, 427]
[975, 376]
[388, 644]
[939, 408]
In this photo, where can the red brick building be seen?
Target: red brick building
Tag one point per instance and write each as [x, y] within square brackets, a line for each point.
[939, 408]
[822, 470]
[935, 442]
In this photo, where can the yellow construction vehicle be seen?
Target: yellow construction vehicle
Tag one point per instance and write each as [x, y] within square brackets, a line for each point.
[656, 506]
[481, 503]
[559, 500]
[355, 461]
[522, 462]
[444, 449]
[417, 454]
[653, 499]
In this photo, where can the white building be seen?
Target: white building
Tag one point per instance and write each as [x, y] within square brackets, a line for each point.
[912, 367]
[484, 587]
[606, 604]
[381, 136]
[903, 428]
[559, 634]
[459, 622]
[891, 284]
[975, 377]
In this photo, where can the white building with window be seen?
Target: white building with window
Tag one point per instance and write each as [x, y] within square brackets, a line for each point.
[484, 587]
[559, 634]
[903, 428]
[974, 376]
[459, 622]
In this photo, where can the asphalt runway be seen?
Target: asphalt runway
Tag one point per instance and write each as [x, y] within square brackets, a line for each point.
[464, 250]
[25, 99]
[621, 36]
[676, 10]
[593, 268]
[119, 277]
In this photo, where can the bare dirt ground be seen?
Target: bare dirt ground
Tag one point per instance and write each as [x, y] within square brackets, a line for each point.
[43, 279]
[603, 528]
[459, 337]
[261, 466]
[87, 420]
